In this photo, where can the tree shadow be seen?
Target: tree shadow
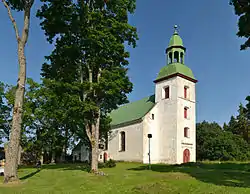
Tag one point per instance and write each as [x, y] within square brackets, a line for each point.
[226, 174]
[69, 166]
[30, 175]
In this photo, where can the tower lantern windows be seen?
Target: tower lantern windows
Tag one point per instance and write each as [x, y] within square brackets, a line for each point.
[170, 57]
[176, 57]
[182, 58]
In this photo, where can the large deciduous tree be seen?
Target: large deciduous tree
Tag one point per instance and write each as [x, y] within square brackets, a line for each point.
[25, 6]
[242, 9]
[89, 62]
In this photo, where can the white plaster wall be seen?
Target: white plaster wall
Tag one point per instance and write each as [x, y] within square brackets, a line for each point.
[150, 126]
[190, 122]
[133, 143]
[167, 117]
[85, 154]
[171, 121]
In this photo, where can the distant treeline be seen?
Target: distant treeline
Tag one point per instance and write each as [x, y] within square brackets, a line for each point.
[230, 142]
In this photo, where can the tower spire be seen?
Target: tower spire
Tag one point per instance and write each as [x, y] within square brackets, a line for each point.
[175, 29]
[175, 51]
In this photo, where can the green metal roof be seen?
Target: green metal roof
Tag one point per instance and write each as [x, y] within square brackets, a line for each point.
[132, 111]
[174, 68]
[175, 40]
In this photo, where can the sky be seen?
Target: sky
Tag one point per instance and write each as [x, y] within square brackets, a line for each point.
[208, 30]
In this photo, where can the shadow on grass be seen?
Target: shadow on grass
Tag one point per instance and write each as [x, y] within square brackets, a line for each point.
[71, 166]
[226, 174]
[30, 175]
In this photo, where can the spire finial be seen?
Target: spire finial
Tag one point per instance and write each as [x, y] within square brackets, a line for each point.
[175, 29]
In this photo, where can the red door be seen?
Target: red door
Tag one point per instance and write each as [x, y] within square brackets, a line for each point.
[186, 156]
[105, 157]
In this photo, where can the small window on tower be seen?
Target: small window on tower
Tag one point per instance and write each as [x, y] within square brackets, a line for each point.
[166, 90]
[153, 116]
[186, 132]
[185, 92]
[185, 112]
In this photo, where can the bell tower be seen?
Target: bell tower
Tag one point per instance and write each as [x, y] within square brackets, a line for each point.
[175, 51]
[176, 104]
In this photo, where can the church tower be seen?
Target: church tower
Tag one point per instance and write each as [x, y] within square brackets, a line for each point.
[175, 103]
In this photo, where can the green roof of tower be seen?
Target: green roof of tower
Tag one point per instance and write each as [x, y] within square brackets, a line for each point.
[175, 39]
[174, 68]
[132, 111]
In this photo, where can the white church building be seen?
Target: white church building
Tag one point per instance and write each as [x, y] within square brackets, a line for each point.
[168, 117]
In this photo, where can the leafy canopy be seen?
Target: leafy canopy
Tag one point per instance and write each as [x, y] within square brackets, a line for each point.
[242, 9]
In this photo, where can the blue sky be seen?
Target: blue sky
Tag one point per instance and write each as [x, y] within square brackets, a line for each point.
[208, 30]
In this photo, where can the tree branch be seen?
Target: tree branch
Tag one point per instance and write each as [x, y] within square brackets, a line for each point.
[88, 131]
[25, 32]
[12, 20]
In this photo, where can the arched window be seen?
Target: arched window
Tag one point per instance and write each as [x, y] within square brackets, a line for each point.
[170, 57]
[186, 156]
[122, 141]
[166, 91]
[185, 112]
[176, 57]
[186, 132]
[182, 57]
[185, 91]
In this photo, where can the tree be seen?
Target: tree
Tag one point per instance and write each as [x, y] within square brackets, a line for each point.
[4, 111]
[243, 127]
[242, 9]
[239, 125]
[90, 58]
[213, 143]
[13, 146]
[45, 121]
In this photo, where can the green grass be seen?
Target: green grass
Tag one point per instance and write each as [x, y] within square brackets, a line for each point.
[134, 178]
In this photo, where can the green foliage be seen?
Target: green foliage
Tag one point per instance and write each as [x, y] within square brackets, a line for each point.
[20, 5]
[87, 70]
[239, 125]
[6, 106]
[242, 9]
[110, 164]
[213, 143]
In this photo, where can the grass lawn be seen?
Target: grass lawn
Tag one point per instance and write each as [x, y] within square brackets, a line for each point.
[134, 178]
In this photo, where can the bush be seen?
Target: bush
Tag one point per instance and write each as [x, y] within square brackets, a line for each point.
[110, 164]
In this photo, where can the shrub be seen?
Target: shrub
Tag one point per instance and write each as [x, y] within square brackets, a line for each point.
[110, 164]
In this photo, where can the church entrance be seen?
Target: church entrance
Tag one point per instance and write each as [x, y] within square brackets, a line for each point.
[105, 157]
[186, 156]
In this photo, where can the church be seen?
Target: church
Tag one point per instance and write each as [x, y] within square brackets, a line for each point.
[160, 128]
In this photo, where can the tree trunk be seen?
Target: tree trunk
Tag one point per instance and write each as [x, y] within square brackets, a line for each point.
[66, 143]
[53, 158]
[10, 171]
[14, 143]
[95, 144]
[19, 155]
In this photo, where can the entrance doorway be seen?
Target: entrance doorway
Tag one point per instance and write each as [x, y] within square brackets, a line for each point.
[186, 156]
[105, 157]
